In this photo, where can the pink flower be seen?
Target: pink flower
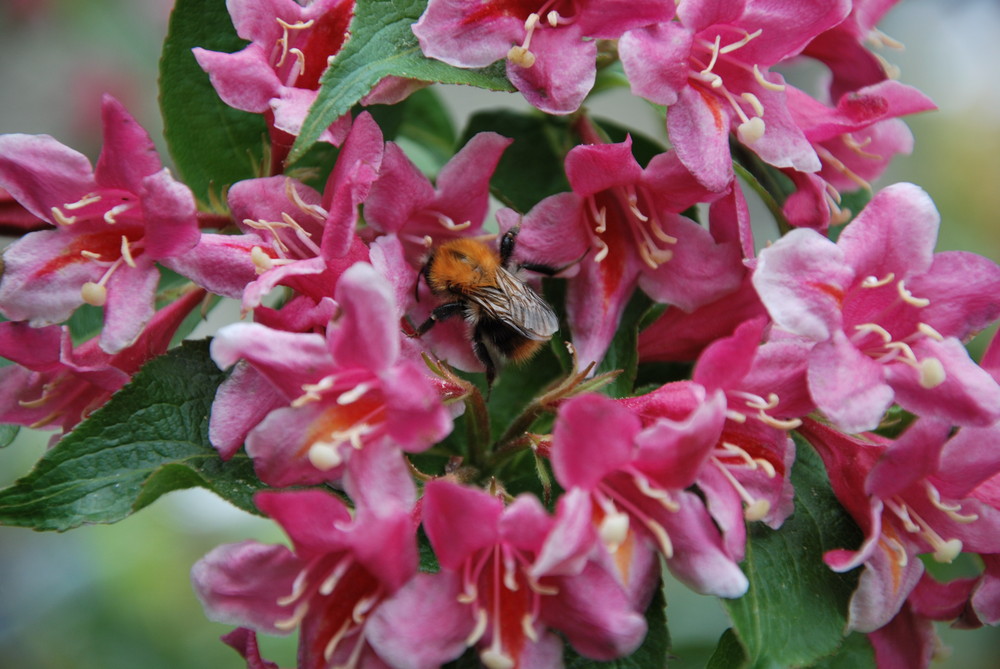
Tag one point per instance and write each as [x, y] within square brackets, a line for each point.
[324, 398]
[54, 384]
[336, 574]
[508, 574]
[637, 478]
[112, 224]
[278, 73]
[900, 520]
[550, 47]
[625, 219]
[886, 313]
[711, 70]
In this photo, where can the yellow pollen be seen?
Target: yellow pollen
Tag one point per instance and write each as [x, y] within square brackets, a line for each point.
[90, 255]
[300, 60]
[296, 617]
[127, 252]
[293, 196]
[298, 587]
[729, 48]
[94, 294]
[493, 658]
[528, 627]
[110, 216]
[602, 253]
[932, 373]
[482, 620]
[89, 198]
[61, 218]
[769, 85]
[751, 130]
[521, 56]
[908, 297]
[754, 102]
[875, 282]
[324, 456]
[450, 224]
[553, 18]
[260, 260]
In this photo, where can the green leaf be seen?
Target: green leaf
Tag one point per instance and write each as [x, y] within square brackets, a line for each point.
[650, 655]
[623, 352]
[796, 608]
[531, 168]
[149, 439]
[427, 126]
[212, 144]
[729, 654]
[7, 434]
[855, 653]
[382, 44]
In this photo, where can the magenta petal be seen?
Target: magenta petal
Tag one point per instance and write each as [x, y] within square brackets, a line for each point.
[907, 641]
[570, 539]
[40, 173]
[700, 560]
[592, 168]
[221, 264]
[655, 59]
[894, 234]
[422, 625]
[446, 33]
[967, 395]
[313, 519]
[552, 230]
[914, 456]
[279, 446]
[801, 280]
[882, 589]
[593, 436]
[416, 419]
[847, 385]
[463, 184]
[726, 361]
[563, 73]
[241, 402]
[240, 584]
[400, 190]
[244, 80]
[128, 154]
[964, 293]
[698, 127]
[968, 459]
[366, 334]
[169, 208]
[130, 305]
[244, 642]
[378, 479]
[459, 520]
[595, 615]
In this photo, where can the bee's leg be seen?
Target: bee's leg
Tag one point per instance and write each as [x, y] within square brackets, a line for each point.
[443, 312]
[507, 243]
[483, 354]
[425, 272]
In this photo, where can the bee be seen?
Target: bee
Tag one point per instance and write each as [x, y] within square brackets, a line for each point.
[509, 321]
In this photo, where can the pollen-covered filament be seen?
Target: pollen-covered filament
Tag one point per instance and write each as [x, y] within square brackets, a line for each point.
[506, 600]
[345, 592]
[752, 126]
[878, 343]
[943, 550]
[622, 205]
[545, 16]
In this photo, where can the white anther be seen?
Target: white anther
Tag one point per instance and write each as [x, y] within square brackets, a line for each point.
[94, 294]
[750, 131]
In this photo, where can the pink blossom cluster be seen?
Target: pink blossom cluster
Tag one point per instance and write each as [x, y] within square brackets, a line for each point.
[330, 394]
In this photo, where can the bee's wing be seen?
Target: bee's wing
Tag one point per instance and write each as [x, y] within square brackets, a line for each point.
[514, 303]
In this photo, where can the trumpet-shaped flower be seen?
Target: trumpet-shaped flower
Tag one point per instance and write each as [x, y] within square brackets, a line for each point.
[508, 575]
[54, 384]
[336, 574]
[625, 219]
[112, 224]
[326, 397]
[899, 521]
[637, 478]
[711, 69]
[886, 313]
[278, 73]
[550, 46]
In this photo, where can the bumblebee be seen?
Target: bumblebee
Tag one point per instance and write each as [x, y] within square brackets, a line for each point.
[508, 320]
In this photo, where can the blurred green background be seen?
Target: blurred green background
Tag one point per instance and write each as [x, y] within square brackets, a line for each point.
[118, 597]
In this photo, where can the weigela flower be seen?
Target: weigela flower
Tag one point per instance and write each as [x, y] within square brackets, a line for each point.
[112, 224]
[711, 69]
[330, 396]
[855, 142]
[886, 313]
[637, 478]
[278, 73]
[338, 571]
[842, 48]
[54, 384]
[626, 220]
[899, 521]
[550, 46]
[508, 575]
